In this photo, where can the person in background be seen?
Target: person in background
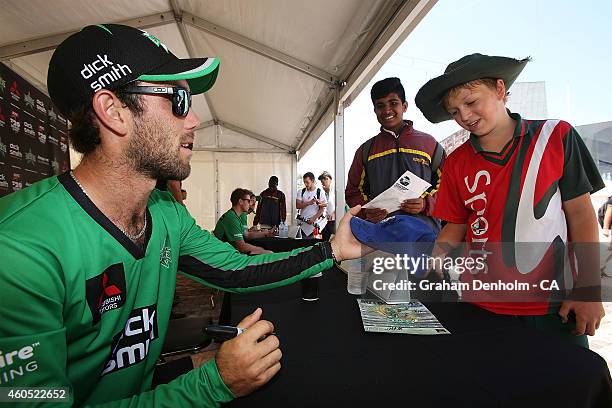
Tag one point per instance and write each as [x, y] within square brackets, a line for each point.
[254, 233]
[172, 186]
[326, 180]
[232, 226]
[311, 203]
[381, 160]
[272, 208]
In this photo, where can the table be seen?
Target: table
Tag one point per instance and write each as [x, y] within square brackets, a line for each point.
[276, 244]
[488, 361]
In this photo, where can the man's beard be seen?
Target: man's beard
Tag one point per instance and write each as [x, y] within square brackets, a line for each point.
[152, 151]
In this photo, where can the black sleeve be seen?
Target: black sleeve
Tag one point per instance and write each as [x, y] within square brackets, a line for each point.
[580, 173]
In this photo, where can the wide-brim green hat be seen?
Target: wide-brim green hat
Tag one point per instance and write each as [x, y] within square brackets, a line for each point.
[466, 69]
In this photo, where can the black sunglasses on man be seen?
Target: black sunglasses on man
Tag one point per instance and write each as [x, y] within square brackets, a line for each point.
[181, 97]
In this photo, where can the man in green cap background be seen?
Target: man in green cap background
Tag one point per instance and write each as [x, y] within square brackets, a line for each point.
[520, 182]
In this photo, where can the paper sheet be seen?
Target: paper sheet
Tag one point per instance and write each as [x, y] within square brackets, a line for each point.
[406, 187]
[404, 318]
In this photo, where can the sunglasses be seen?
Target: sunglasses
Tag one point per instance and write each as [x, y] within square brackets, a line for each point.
[181, 97]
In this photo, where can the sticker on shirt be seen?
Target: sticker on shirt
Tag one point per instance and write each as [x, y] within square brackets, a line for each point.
[131, 345]
[106, 291]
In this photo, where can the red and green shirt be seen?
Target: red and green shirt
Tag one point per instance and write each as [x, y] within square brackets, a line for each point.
[515, 197]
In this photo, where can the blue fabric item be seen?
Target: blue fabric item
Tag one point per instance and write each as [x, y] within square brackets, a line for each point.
[399, 234]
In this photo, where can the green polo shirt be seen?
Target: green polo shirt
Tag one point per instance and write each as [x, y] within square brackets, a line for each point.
[231, 227]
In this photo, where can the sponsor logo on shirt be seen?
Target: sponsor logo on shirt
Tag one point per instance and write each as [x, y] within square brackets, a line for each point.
[549, 227]
[131, 345]
[165, 255]
[478, 203]
[18, 362]
[105, 292]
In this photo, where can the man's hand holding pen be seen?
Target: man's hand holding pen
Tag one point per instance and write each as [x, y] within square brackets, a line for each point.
[246, 362]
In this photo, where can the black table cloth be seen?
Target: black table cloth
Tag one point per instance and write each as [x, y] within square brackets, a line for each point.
[488, 361]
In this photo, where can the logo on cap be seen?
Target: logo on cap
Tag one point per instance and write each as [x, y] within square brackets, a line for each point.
[102, 63]
[155, 40]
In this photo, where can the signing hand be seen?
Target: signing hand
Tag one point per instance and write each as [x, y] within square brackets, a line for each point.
[244, 363]
[588, 315]
[413, 206]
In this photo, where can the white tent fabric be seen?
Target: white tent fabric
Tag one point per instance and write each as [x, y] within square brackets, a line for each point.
[288, 67]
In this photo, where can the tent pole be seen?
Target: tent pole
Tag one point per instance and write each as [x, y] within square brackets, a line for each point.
[339, 154]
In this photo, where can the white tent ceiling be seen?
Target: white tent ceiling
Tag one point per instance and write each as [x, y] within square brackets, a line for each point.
[282, 61]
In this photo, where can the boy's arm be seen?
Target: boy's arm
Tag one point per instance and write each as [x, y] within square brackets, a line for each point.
[582, 226]
[450, 237]
[354, 192]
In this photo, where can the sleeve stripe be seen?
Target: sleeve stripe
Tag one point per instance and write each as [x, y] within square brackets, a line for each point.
[257, 276]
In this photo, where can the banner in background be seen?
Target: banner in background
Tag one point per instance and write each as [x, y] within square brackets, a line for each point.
[33, 135]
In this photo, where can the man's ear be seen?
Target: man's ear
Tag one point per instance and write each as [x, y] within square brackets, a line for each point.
[405, 106]
[111, 112]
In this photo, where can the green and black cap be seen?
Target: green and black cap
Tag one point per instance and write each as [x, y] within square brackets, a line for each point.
[466, 69]
[108, 56]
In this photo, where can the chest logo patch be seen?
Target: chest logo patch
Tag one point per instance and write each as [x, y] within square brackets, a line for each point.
[106, 291]
[165, 255]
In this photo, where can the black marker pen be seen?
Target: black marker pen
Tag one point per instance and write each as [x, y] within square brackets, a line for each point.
[223, 333]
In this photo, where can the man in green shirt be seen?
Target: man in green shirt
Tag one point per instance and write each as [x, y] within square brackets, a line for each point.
[90, 257]
[232, 226]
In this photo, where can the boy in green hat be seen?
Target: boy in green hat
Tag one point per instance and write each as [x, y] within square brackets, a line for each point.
[517, 192]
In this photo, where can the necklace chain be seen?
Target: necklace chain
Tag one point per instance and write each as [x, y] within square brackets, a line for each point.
[132, 237]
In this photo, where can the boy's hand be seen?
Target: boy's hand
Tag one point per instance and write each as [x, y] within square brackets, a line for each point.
[375, 215]
[588, 315]
[413, 206]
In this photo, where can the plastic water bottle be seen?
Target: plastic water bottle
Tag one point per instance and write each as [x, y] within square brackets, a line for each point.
[283, 230]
